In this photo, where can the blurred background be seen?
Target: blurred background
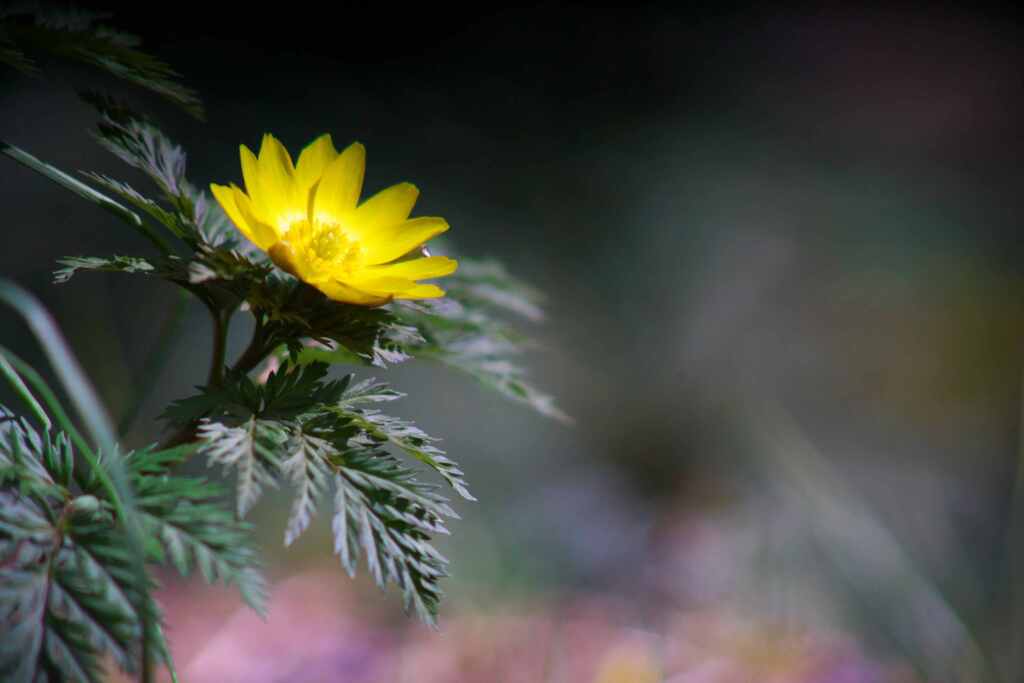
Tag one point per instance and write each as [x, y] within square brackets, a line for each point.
[784, 308]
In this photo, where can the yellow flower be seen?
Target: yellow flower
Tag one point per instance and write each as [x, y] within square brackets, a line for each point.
[307, 218]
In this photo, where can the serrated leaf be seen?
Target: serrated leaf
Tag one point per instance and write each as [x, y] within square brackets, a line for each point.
[462, 331]
[381, 428]
[344, 332]
[177, 224]
[140, 144]
[69, 595]
[192, 216]
[186, 517]
[383, 513]
[308, 471]
[502, 376]
[291, 391]
[488, 283]
[114, 264]
[78, 35]
[252, 449]
[301, 393]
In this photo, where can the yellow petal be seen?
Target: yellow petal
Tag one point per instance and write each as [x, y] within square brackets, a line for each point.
[265, 233]
[251, 176]
[236, 206]
[415, 269]
[340, 185]
[283, 200]
[265, 202]
[274, 155]
[421, 292]
[397, 287]
[314, 160]
[284, 258]
[378, 283]
[386, 208]
[396, 241]
[339, 291]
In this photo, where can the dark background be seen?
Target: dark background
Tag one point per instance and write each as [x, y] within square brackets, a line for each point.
[811, 214]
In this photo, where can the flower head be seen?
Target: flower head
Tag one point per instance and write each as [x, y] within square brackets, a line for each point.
[308, 219]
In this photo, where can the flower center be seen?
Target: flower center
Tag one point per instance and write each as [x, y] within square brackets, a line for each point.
[324, 247]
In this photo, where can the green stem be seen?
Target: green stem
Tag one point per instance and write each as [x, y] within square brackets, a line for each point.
[221, 321]
[258, 349]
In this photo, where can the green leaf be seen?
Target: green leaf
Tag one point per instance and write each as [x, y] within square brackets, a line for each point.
[291, 391]
[110, 474]
[308, 470]
[287, 393]
[464, 331]
[379, 428]
[70, 183]
[320, 434]
[184, 514]
[140, 144]
[176, 223]
[383, 513]
[114, 264]
[78, 35]
[233, 413]
[496, 372]
[21, 468]
[86, 192]
[295, 311]
[488, 284]
[253, 449]
[69, 594]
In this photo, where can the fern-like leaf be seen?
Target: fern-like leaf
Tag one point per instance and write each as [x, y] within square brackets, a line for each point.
[70, 598]
[383, 513]
[307, 469]
[79, 35]
[379, 429]
[251, 449]
[193, 530]
[114, 264]
[465, 331]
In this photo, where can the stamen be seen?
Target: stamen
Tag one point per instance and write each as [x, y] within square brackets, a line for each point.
[325, 247]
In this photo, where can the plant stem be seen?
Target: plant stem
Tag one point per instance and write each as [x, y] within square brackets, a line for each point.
[257, 350]
[221, 321]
